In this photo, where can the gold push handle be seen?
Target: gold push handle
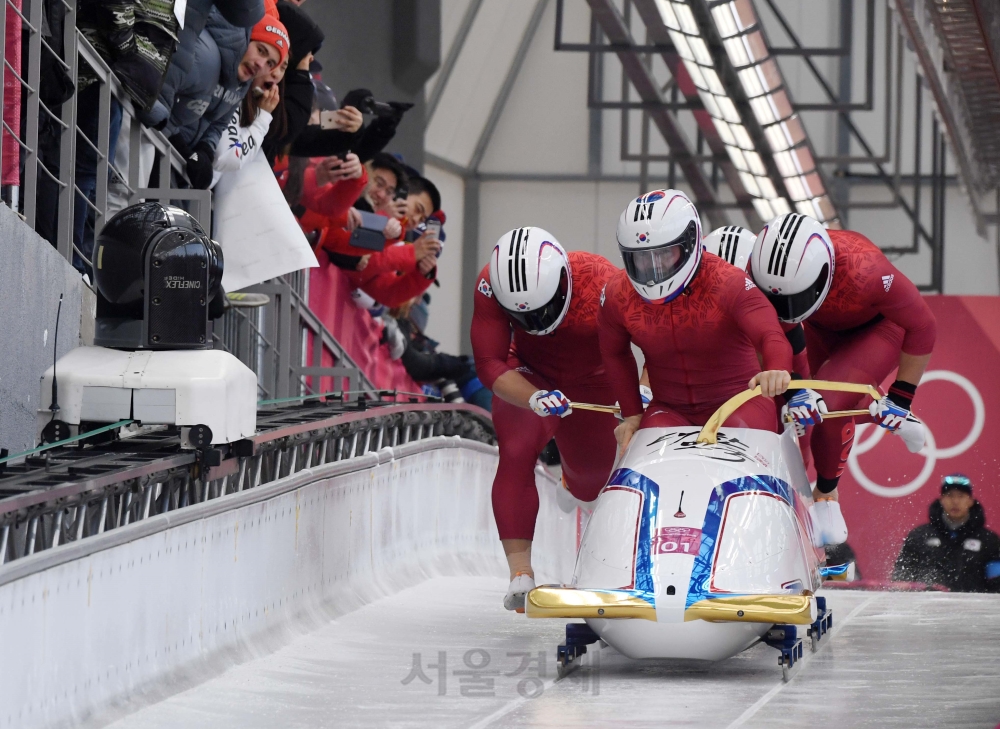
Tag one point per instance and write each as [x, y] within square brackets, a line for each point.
[710, 430]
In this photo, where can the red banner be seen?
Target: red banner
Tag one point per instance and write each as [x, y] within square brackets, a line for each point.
[10, 165]
[886, 490]
[354, 328]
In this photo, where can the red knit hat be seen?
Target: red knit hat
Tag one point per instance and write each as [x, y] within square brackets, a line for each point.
[270, 30]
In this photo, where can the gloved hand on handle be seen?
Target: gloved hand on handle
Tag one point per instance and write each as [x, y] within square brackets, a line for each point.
[807, 407]
[550, 402]
[888, 414]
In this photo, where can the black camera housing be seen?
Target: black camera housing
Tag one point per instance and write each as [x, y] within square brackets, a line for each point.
[156, 272]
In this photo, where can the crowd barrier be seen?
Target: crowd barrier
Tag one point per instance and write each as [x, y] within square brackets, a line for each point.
[95, 629]
[330, 299]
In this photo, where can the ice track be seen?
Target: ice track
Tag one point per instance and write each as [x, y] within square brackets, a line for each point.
[894, 660]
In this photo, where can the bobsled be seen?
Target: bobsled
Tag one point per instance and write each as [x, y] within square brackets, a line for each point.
[699, 545]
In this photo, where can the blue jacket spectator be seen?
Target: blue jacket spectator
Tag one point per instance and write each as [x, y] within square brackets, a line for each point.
[194, 110]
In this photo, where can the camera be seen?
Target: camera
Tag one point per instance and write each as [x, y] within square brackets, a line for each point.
[364, 101]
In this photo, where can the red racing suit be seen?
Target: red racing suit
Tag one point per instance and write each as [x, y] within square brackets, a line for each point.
[568, 359]
[700, 348]
[871, 314]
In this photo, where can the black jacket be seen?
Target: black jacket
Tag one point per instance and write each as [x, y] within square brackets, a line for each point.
[964, 560]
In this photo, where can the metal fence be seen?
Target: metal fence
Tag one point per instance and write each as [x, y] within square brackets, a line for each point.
[73, 493]
[284, 342]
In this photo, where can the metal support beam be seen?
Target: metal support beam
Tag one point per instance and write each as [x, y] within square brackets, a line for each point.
[842, 190]
[508, 84]
[470, 258]
[615, 29]
[595, 89]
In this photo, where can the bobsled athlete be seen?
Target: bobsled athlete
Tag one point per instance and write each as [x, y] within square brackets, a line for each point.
[733, 244]
[534, 337]
[857, 318]
[699, 321]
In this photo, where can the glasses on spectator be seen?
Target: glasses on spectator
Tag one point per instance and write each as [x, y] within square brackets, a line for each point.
[382, 184]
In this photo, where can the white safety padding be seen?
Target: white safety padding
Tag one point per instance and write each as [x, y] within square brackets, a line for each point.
[94, 629]
[260, 237]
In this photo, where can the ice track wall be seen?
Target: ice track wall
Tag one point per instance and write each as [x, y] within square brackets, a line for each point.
[97, 628]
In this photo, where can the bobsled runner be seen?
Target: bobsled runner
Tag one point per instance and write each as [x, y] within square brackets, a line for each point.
[699, 546]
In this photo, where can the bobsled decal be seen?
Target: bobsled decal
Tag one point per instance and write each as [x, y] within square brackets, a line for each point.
[728, 448]
[642, 579]
[701, 573]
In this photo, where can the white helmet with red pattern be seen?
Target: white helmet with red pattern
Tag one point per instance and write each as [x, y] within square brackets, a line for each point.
[659, 237]
[531, 279]
[792, 263]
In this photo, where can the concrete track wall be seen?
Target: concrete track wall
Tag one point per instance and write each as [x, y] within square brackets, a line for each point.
[32, 275]
[95, 629]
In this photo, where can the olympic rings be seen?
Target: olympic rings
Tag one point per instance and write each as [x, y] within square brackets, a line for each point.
[930, 451]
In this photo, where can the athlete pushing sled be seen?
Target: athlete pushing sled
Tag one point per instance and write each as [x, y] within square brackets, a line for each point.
[534, 329]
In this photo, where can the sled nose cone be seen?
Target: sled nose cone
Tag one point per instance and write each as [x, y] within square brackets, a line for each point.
[551, 601]
[784, 609]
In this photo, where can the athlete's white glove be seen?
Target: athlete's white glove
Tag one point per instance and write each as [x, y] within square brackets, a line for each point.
[829, 527]
[550, 402]
[913, 432]
[647, 397]
[888, 414]
[807, 407]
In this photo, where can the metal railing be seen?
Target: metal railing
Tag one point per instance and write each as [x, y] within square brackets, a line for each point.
[77, 492]
[23, 198]
[284, 343]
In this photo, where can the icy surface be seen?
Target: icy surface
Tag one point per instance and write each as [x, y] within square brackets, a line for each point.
[894, 660]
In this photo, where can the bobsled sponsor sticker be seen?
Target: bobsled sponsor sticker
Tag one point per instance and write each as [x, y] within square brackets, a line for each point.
[676, 540]
[484, 288]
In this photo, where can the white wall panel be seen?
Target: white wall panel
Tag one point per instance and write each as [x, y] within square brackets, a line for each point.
[94, 629]
[582, 215]
[454, 129]
[544, 124]
[452, 12]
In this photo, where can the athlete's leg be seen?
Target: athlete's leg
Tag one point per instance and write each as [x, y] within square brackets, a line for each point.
[867, 357]
[587, 445]
[760, 413]
[661, 415]
[521, 435]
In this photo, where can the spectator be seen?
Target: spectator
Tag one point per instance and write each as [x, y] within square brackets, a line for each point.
[196, 109]
[955, 549]
[385, 176]
[424, 363]
[422, 200]
[136, 39]
[242, 139]
[297, 93]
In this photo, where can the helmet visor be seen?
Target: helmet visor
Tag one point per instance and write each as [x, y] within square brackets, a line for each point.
[792, 307]
[538, 320]
[652, 266]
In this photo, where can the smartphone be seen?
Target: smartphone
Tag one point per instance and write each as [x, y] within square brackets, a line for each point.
[434, 227]
[328, 120]
[369, 234]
